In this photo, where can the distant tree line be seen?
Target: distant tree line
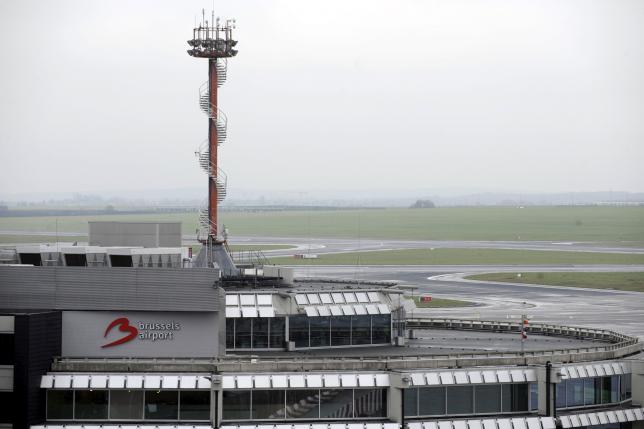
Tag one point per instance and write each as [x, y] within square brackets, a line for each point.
[423, 204]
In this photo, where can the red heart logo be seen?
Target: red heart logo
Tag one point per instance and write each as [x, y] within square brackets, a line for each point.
[124, 326]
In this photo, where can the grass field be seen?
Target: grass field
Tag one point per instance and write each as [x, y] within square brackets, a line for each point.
[600, 224]
[52, 239]
[621, 281]
[441, 303]
[38, 239]
[465, 257]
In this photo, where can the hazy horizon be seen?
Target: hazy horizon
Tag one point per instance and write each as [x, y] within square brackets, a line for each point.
[194, 197]
[498, 96]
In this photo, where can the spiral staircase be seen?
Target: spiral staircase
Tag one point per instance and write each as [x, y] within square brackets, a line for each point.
[220, 121]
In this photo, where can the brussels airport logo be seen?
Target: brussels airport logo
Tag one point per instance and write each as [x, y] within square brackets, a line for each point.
[144, 331]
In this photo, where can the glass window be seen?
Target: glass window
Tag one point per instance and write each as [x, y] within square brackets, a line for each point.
[520, 397]
[370, 403]
[614, 388]
[625, 386]
[411, 402]
[243, 332]
[336, 403]
[459, 400]
[298, 329]
[126, 404]
[236, 405]
[260, 333]
[302, 404]
[278, 326]
[161, 404]
[431, 401]
[230, 333]
[60, 404]
[610, 389]
[381, 329]
[574, 392]
[7, 404]
[90, 404]
[320, 331]
[6, 349]
[514, 397]
[534, 396]
[589, 392]
[605, 389]
[267, 404]
[361, 330]
[487, 398]
[561, 395]
[341, 330]
[195, 405]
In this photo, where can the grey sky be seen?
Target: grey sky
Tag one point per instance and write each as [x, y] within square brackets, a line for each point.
[500, 95]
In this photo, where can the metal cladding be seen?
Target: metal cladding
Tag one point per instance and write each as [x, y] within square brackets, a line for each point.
[109, 288]
[212, 40]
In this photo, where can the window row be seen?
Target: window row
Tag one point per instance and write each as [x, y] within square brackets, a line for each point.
[580, 392]
[7, 349]
[255, 333]
[128, 405]
[340, 330]
[306, 332]
[479, 399]
[304, 404]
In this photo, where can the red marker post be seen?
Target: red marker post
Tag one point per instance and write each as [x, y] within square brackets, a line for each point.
[524, 335]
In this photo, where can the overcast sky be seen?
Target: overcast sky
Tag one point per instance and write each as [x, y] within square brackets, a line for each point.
[535, 96]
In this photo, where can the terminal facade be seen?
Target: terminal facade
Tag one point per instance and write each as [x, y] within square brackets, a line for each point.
[171, 344]
[133, 332]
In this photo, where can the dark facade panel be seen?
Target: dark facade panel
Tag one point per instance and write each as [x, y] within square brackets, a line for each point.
[37, 341]
[137, 289]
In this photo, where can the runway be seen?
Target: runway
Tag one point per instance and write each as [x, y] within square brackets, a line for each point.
[340, 245]
[337, 245]
[600, 308]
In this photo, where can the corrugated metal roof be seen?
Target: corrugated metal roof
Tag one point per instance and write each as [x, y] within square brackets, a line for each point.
[102, 288]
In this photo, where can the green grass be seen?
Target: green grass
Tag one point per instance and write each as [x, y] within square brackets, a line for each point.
[601, 224]
[442, 256]
[441, 303]
[620, 281]
[38, 239]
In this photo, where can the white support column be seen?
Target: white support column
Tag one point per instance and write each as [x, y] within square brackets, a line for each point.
[546, 409]
[398, 383]
[637, 384]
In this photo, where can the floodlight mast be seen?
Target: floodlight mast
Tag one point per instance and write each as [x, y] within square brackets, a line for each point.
[215, 42]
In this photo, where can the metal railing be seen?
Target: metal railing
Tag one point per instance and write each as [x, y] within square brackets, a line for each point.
[618, 345]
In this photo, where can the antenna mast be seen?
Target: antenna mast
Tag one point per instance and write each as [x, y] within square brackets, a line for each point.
[208, 44]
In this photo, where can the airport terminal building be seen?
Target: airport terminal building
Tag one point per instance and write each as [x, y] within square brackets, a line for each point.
[147, 339]
[132, 332]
